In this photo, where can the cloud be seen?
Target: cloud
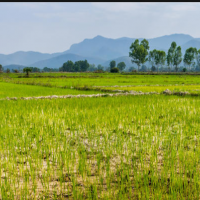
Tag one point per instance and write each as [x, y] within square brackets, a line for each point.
[117, 7]
[184, 7]
[56, 26]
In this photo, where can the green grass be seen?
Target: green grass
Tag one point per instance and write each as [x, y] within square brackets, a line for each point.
[189, 88]
[130, 147]
[102, 79]
[16, 90]
[125, 147]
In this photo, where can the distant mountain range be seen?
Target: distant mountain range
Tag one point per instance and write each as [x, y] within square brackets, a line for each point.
[98, 50]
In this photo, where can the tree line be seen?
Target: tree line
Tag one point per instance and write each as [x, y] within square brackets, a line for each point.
[30, 69]
[80, 66]
[140, 54]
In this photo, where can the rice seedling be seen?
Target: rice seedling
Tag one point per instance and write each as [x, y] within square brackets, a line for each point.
[15, 90]
[195, 89]
[128, 147]
[69, 80]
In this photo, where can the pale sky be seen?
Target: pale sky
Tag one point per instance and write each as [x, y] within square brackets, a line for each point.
[54, 27]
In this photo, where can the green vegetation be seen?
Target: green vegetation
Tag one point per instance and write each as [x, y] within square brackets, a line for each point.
[114, 70]
[27, 70]
[69, 80]
[14, 90]
[139, 52]
[189, 56]
[75, 148]
[123, 147]
[193, 89]
[112, 64]
[78, 66]
[121, 66]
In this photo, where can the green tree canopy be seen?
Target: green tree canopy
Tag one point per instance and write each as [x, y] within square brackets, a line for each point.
[177, 57]
[81, 66]
[121, 66]
[112, 64]
[78, 66]
[152, 57]
[171, 54]
[189, 56]
[34, 69]
[27, 70]
[92, 68]
[160, 57]
[139, 52]
[67, 66]
[100, 67]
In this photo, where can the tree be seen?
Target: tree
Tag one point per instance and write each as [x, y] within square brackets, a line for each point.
[131, 69]
[170, 55]
[198, 59]
[139, 52]
[143, 68]
[34, 69]
[84, 65]
[92, 68]
[152, 57]
[67, 66]
[1, 68]
[112, 64]
[100, 67]
[121, 66]
[15, 70]
[184, 69]
[81, 66]
[160, 57]
[47, 69]
[177, 57]
[27, 70]
[189, 56]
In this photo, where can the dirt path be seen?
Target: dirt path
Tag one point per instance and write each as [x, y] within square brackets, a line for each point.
[79, 96]
[132, 93]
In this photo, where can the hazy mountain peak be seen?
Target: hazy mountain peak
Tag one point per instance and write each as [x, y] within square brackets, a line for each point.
[97, 49]
[99, 37]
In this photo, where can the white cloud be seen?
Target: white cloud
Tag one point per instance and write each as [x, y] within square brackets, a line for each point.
[184, 7]
[117, 6]
[63, 24]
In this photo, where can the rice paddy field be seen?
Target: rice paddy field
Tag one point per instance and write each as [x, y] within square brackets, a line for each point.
[120, 147]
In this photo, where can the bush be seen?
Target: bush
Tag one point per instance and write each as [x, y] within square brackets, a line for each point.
[114, 70]
[99, 71]
[131, 69]
[184, 69]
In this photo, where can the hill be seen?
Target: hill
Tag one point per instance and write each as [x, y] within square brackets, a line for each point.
[24, 58]
[13, 66]
[58, 61]
[97, 50]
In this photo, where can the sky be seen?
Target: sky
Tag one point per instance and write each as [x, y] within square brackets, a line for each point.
[54, 27]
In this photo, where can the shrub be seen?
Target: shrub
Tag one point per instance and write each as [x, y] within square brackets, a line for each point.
[114, 70]
[184, 69]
